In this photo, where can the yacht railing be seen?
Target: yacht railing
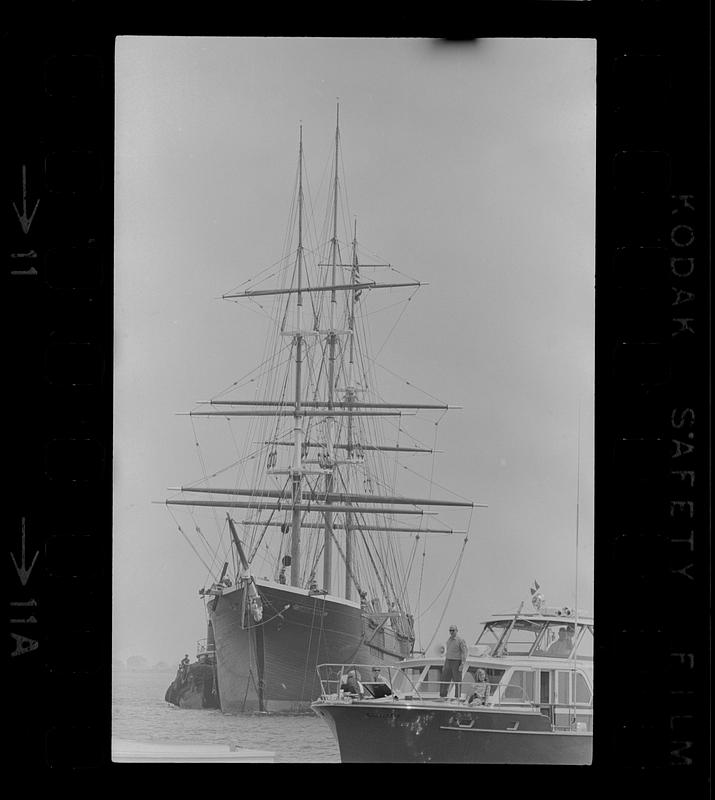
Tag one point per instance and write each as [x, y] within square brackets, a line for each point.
[334, 685]
[202, 648]
[563, 716]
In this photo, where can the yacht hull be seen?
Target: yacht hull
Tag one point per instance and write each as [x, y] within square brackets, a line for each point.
[396, 732]
[270, 664]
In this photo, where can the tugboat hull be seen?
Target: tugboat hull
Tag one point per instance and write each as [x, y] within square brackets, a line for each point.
[194, 688]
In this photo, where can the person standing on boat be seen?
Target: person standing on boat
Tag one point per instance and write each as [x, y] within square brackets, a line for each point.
[455, 660]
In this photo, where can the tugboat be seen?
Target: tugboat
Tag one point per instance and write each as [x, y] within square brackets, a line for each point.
[526, 698]
[195, 685]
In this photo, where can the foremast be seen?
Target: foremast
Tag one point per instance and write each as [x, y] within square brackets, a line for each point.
[332, 344]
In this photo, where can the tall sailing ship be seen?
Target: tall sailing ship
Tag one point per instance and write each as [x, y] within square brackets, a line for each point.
[320, 545]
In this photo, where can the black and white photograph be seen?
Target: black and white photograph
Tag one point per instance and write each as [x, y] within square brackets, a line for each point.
[353, 412]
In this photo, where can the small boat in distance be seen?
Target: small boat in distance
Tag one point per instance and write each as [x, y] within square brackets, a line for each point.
[526, 698]
[312, 521]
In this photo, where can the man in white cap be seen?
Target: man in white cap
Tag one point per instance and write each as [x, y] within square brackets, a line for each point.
[455, 660]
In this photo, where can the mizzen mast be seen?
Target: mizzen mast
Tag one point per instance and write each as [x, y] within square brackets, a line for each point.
[349, 400]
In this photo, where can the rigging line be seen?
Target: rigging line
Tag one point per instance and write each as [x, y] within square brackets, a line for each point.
[398, 425]
[286, 307]
[350, 571]
[400, 272]
[263, 533]
[204, 539]
[237, 383]
[414, 549]
[373, 312]
[263, 375]
[290, 226]
[260, 272]
[233, 439]
[396, 323]
[345, 205]
[455, 570]
[311, 229]
[310, 641]
[449, 597]
[242, 460]
[316, 558]
[384, 589]
[409, 383]
[444, 488]
[410, 564]
[257, 282]
[419, 612]
[327, 165]
[190, 543]
[396, 460]
[260, 311]
[441, 590]
[203, 468]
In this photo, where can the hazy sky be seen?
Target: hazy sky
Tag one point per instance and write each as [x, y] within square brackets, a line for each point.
[469, 167]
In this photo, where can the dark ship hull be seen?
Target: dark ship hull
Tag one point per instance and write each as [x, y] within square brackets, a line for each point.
[270, 664]
[194, 687]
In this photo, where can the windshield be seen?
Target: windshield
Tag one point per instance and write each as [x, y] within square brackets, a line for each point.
[534, 637]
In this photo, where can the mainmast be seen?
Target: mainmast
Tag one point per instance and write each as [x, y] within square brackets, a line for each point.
[330, 478]
[297, 467]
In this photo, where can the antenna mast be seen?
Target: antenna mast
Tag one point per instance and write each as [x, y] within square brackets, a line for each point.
[578, 497]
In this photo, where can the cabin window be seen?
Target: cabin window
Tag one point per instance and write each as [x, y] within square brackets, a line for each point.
[563, 695]
[520, 688]
[545, 687]
[583, 693]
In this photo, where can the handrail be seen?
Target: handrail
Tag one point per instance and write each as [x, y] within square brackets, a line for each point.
[332, 678]
[203, 647]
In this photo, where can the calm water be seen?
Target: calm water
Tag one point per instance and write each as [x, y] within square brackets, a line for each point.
[140, 713]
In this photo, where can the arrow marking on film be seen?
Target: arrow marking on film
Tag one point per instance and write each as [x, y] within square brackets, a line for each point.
[23, 573]
[25, 221]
